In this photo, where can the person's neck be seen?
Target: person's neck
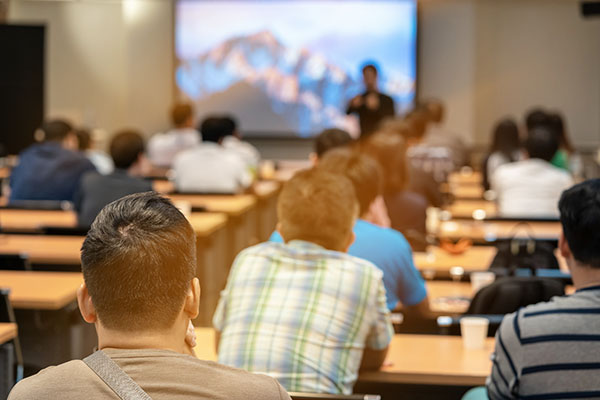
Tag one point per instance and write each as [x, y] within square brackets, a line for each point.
[583, 275]
[172, 339]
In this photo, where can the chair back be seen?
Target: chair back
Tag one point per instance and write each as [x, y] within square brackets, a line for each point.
[15, 262]
[7, 314]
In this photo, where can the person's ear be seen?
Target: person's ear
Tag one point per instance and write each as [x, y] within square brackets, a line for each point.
[351, 239]
[192, 300]
[313, 158]
[563, 247]
[86, 306]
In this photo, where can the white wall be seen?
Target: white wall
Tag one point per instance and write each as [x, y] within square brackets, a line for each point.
[110, 63]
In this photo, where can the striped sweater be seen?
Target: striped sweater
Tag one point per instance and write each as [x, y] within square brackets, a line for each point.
[549, 350]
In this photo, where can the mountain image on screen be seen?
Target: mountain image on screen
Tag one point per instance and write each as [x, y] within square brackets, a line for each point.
[267, 84]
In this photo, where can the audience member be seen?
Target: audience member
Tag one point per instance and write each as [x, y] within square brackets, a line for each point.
[52, 169]
[438, 135]
[505, 148]
[327, 140]
[384, 247]
[531, 187]
[233, 141]
[164, 147]
[302, 311]
[140, 291]
[565, 158]
[406, 209]
[536, 117]
[99, 158]
[96, 191]
[550, 350]
[372, 106]
[209, 167]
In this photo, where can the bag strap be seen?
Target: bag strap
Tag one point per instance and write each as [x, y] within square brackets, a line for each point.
[115, 377]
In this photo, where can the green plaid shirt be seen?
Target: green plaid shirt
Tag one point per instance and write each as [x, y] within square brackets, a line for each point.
[303, 315]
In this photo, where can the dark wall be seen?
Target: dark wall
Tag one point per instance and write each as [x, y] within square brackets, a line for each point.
[21, 84]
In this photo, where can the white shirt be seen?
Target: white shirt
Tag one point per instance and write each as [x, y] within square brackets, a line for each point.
[497, 159]
[102, 161]
[163, 147]
[529, 188]
[210, 168]
[247, 152]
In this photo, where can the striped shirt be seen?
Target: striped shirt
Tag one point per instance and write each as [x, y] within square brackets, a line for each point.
[549, 350]
[303, 315]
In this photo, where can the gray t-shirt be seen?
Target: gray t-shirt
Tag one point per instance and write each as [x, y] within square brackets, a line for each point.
[163, 374]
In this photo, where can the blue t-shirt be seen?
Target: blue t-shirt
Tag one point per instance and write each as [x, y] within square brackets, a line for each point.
[391, 253]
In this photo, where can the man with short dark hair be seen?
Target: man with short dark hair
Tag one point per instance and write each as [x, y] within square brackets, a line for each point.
[209, 167]
[327, 140]
[303, 311]
[96, 191]
[164, 147]
[233, 141]
[372, 106]
[550, 350]
[532, 187]
[140, 291]
[384, 247]
[52, 169]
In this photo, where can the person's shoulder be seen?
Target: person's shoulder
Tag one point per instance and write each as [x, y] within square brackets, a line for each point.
[373, 233]
[66, 381]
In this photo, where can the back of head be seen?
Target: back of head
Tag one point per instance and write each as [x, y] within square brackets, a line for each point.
[541, 143]
[213, 129]
[370, 68]
[506, 138]
[363, 171]
[436, 111]
[138, 260]
[84, 138]
[56, 130]
[319, 207]
[229, 125]
[417, 120]
[182, 114]
[330, 139]
[580, 217]
[126, 147]
[556, 122]
[390, 151]
[536, 117]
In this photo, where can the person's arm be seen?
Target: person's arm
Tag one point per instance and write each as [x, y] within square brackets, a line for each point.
[355, 104]
[503, 381]
[420, 310]
[373, 359]
[381, 333]
[217, 340]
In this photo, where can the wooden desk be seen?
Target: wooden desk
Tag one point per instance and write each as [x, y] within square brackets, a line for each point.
[420, 359]
[267, 194]
[437, 261]
[465, 208]
[8, 332]
[493, 230]
[461, 178]
[4, 173]
[232, 205]
[465, 191]
[34, 220]
[438, 293]
[163, 186]
[41, 249]
[38, 290]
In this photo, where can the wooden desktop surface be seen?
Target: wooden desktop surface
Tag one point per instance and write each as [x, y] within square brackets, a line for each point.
[232, 205]
[447, 297]
[44, 249]
[424, 359]
[465, 208]
[468, 178]
[465, 191]
[36, 219]
[266, 189]
[41, 290]
[492, 230]
[205, 224]
[8, 331]
[476, 258]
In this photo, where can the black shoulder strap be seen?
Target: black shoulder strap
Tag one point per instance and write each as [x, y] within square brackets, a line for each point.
[115, 377]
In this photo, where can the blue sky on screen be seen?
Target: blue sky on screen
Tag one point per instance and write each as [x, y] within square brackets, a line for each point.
[380, 31]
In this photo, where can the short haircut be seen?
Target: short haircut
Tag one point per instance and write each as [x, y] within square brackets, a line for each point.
[541, 143]
[125, 148]
[56, 130]
[580, 217]
[330, 139]
[213, 129]
[506, 138]
[84, 138]
[138, 260]
[436, 110]
[318, 207]
[535, 118]
[229, 125]
[389, 149]
[363, 171]
[371, 67]
[417, 119]
[181, 113]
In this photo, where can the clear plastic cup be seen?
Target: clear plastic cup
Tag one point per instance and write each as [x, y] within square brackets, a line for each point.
[473, 331]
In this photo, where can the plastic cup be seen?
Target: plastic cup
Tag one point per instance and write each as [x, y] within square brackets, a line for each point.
[473, 331]
[481, 279]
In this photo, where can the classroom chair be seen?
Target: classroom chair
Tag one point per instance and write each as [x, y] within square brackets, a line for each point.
[15, 262]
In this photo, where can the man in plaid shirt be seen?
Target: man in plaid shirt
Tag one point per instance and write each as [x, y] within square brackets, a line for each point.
[303, 311]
